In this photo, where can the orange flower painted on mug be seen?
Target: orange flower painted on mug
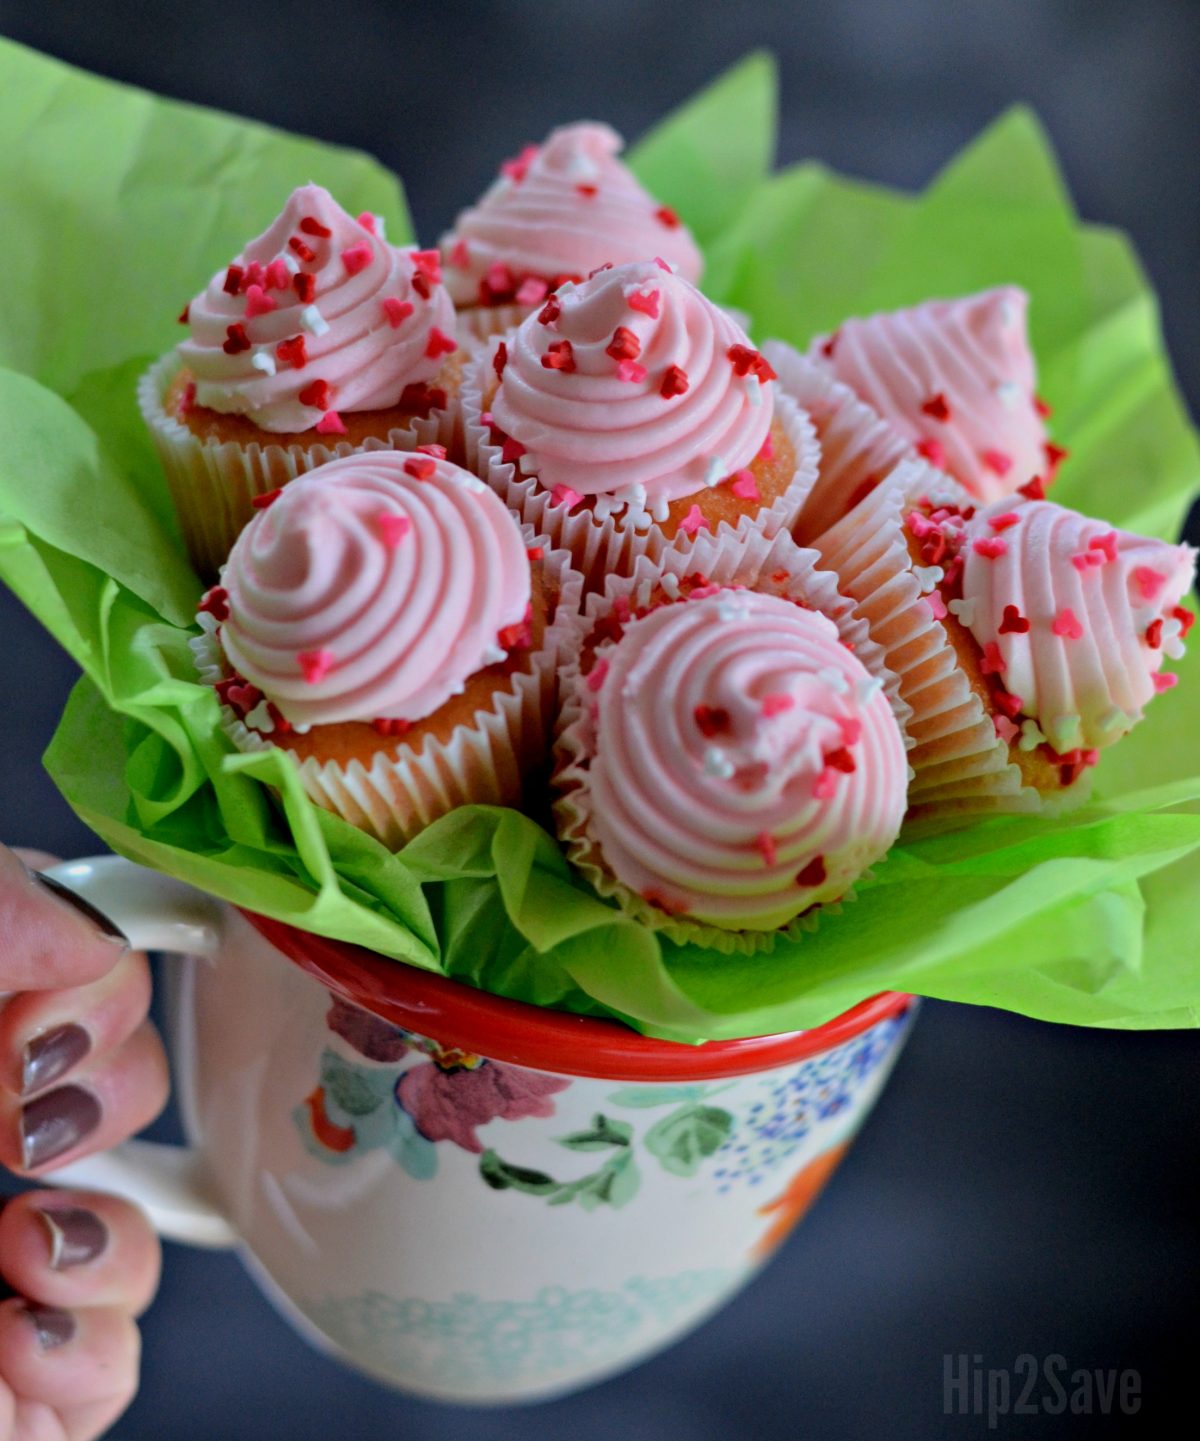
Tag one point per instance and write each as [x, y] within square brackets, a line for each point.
[802, 1190]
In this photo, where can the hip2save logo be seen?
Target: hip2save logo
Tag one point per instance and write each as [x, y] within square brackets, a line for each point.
[1032, 1386]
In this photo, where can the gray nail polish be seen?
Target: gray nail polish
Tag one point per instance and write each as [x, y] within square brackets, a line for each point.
[85, 908]
[76, 1235]
[54, 1123]
[52, 1054]
[54, 1327]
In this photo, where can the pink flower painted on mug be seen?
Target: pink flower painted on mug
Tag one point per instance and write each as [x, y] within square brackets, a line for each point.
[448, 1103]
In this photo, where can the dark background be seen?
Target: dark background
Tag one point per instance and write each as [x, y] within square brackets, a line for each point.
[1021, 1188]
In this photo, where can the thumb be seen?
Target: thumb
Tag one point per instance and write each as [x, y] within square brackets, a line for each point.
[50, 938]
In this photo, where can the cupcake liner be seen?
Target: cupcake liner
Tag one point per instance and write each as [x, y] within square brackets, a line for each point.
[214, 483]
[858, 447]
[484, 763]
[959, 761]
[610, 545]
[753, 563]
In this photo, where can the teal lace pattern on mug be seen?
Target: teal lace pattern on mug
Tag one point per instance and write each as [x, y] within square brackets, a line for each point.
[474, 1344]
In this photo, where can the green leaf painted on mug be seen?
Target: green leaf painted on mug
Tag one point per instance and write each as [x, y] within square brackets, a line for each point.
[353, 1089]
[646, 1096]
[687, 1137]
[500, 1176]
[602, 1134]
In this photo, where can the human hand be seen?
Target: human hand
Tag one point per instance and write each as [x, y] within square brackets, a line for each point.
[81, 1067]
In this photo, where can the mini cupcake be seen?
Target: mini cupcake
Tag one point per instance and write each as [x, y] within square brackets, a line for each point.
[951, 381]
[727, 758]
[320, 339]
[629, 415]
[555, 213]
[1026, 637]
[386, 622]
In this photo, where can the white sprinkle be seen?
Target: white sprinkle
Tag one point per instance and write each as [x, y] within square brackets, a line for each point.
[866, 690]
[717, 763]
[263, 360]
[834, 679]
[1114, 719]
[714, 471]
[1008, 312]
[1008, 393]
[313, 321]
[641, 519]
[1172, 638]
[380, 227]
[493, 655]
[293, 265]
[732, 608]
[753, 389]
[964, 609]
[1065, 732]
[660, 508]
[670, 585]
[643, 593]
[581, 167]
[603, 506]
[467, 482]
[634, 496]
[939, 498]
[527, 464]
[207, 622]
[301, 730]
[928, 576]
[1031, 735]
[259, 719]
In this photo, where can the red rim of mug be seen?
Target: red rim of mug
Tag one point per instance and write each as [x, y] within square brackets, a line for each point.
[544, 1040]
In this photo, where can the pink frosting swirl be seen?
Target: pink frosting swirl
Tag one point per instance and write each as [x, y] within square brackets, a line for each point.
[637, 380]
[562, 209]
[957, 379]
[746, 766]
[1098, 604]
[317, 297]
[365, 592]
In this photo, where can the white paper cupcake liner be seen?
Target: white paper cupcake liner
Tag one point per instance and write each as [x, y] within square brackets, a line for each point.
[396, 796]
[960, 764]
[858, 447]
[214, 483]
[609, 544]
[754, 563]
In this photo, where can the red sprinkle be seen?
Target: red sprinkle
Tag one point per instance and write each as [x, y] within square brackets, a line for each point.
[258, 302]
[422, 284]
[1154, 634]
[1164, 680]
[674, 382]
[318, 394]
[440, 343]
[746, 361]
[331, 423]
[185, 313]
[315, 664]
[367, 221]
[991, 547]
[269, 497]
[1185, 617]
[279, 277]
[305, 287]
[531, 291]
[632, 371]
[997, 461]
[711, 720]
[992, 662]
[437, 451]
[831, 345]
[624, 345]
[357, 257]
[391, 726]
[311, 226]
[933, 451]
[535, 552]
[587, 191]
[841, 760]
[1055, 455]
[595, 677]
[255, 274]
[776, 703]
[1009, 705]
[764, 844]
[767, 451]
[429, 262]
[1013, 622]
[644, 300]
[292, 352]
[1067, 624]
[1149, 582]
[564, 495]
[215, 603]
[814, 874]
[550, 312]
[693, 520]
[559, 356]
[1002, 522]
[936, 407]
[500, 359]
[511, 450]
[1107, 543]
[233, 280]
[1042, 408]
[460, 255]
[517, 168]
[393, 529]
[423, 469]
[397, 311]
[666, 216]
[236, 339]
[1034, 489]
[744, 486]
[298, 247]
[1006, 730]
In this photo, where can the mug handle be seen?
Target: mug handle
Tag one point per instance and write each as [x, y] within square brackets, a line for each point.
[156, 913]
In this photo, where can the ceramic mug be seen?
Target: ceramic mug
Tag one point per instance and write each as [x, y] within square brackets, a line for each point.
[469, 1198]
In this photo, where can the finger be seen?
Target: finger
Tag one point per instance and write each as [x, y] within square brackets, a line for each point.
[68, 1359]
[45, 1035]
[102, 1104]
[36, 860]
[51, 937]
[75, 1249]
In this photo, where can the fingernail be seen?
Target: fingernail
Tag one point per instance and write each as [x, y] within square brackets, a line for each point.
[52, 1124]
[85, 908]
[52, 1054]
[53, 1326]
[77, 1236]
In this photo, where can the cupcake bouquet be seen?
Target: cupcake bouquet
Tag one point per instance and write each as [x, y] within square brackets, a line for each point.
[640, 602]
